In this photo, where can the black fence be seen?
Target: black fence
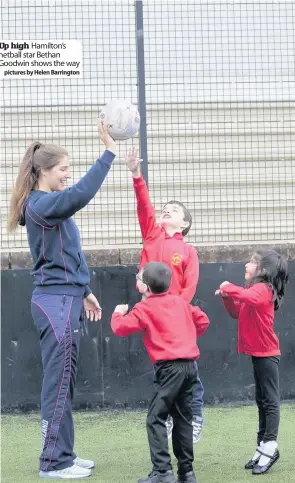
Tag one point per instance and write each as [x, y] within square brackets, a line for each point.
[214, 82]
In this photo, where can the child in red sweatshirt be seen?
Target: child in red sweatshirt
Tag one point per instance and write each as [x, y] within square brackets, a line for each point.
[163, 242]
[170, 328]
[266, 276]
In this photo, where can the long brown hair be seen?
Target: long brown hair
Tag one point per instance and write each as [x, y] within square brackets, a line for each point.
[38, 156]
[273, 270]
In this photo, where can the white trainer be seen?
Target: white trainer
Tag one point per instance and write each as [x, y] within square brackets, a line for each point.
[88, 464]
[197, 428]
[72, 473]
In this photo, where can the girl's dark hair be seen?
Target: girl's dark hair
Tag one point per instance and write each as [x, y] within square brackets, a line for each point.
[38, 156]
[273, 270]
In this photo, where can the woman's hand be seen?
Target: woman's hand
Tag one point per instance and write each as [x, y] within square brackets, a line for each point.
[92, 308]
[106, 138]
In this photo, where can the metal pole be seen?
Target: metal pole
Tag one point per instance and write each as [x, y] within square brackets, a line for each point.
[141, 88]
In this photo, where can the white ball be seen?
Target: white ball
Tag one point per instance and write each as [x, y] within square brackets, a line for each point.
[123, 119]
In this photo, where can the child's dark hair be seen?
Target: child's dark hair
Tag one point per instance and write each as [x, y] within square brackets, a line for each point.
[157, 276]
[273, 270]
[187, 216]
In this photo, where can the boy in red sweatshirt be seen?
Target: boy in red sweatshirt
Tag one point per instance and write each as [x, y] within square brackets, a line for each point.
[172, 349]
[163, 242]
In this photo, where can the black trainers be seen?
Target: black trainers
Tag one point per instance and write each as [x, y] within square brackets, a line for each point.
[156, 477]
[187, 478]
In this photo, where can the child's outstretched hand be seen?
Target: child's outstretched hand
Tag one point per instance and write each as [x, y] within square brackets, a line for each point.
[219, 291]
[121, 309]
[133, 162]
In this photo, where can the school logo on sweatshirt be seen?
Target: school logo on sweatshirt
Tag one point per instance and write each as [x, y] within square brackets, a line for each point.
[176, 259]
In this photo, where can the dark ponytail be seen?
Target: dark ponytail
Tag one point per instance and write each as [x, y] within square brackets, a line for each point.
[38, 156]
[273, 270]
[280, 281]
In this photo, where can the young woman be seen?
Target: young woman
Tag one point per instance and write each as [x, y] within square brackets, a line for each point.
[45, 205]
[254, 306]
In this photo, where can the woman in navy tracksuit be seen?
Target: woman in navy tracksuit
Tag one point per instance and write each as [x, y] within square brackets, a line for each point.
[43, 203]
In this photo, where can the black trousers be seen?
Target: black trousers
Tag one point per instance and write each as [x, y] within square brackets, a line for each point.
[174, 383]
[267, 393]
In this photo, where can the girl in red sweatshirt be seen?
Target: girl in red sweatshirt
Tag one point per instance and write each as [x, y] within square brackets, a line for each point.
[254, 306]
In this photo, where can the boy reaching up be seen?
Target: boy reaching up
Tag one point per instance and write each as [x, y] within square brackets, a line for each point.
[163, 242]
[170, 327]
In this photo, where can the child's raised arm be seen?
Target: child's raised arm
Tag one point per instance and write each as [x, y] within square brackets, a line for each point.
[231, 306]
[145, 210]
[122, 324]
[257, 294]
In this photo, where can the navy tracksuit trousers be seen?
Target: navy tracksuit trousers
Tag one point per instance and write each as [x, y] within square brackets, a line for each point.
[58, 320]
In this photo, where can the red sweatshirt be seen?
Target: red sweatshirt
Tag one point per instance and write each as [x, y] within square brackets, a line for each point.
[170, 326]
[254, 309]
[158, 246]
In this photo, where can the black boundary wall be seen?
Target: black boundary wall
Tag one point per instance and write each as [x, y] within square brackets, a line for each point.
[115, 372]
